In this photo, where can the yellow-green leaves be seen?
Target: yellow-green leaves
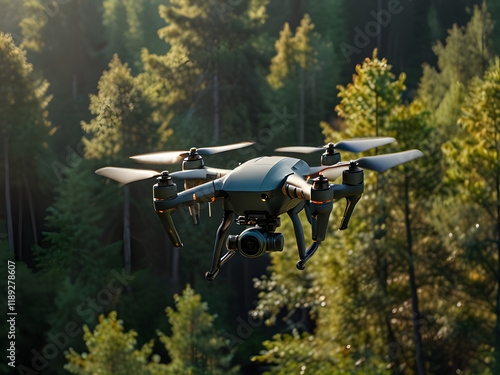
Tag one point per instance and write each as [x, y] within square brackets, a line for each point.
[292, 52]
[372, 100]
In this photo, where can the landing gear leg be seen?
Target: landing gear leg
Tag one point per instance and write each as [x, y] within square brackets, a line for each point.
[221, 234]
[309, 253]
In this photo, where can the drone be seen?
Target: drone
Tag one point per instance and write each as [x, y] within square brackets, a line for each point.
[258, 191]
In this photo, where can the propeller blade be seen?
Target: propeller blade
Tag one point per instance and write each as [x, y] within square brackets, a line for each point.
[363, 144]
[300, 149]
[126, 175]
[217, 149]
[168, 157]
[206, 173]
[191, 174]
[381, 163]
[335, 171]
[351, 145]
[378, 163]
[174, 157]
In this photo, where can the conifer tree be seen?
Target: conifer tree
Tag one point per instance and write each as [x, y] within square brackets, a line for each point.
[194, 346]
[475, 169]
[112, 351]
[464, 55]
[123, 125]
[294, 56]
[132, 26]
[23, 125]
[210, 50]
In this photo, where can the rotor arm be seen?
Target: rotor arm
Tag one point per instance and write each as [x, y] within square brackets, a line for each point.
[166, 201]
[206, 192]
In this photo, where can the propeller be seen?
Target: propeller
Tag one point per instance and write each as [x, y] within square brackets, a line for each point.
[378, 163]
[173, 157]
[350, 145]
[128, 175]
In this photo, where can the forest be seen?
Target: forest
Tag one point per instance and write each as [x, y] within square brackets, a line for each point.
[91, 282]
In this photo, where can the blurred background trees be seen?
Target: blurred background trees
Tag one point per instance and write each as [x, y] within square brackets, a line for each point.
[411, 287]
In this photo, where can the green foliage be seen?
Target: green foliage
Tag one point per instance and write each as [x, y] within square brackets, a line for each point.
[302, 72]
[75, 232]
[122, 123]
[23, 103]
[210, 50]
[111, 351]
[131, 26]
[464, 55]
[474, 166]
[32, 25]
[194, 346]
[311, 355]
[292, 53]
[372, 100]
[204, 81]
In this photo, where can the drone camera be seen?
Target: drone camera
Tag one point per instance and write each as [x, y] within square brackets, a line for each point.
[253, 242]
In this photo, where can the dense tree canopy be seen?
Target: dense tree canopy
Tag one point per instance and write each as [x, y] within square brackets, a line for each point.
[411, 287]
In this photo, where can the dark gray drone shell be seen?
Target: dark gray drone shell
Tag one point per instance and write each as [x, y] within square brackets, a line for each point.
[255, 186]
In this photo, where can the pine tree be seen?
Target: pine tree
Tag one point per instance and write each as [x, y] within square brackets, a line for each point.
[475, 164]
[294, 56]
[112, 351]
[23, 126]
[464, 55]
[131, 26]
[122, 126]
[210, 50]
[194, 346]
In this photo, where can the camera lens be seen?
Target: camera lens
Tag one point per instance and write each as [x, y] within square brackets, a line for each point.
[250, 245]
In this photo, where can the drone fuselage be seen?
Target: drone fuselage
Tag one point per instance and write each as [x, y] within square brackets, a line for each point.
[256, 186]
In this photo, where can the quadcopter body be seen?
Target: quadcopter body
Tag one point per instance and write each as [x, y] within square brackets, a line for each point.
[257, 192]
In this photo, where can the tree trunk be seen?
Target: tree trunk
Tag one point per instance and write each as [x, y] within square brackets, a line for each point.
[216, 105]
[301, 108]
[127, 253]
[413, 287]
[8, 206]
[497, 307]
[32, 210]
[175, 264]
[19, 255]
